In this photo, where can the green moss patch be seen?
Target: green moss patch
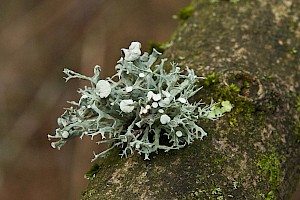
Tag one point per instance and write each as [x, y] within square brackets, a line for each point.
[270, 166]
[185, 12]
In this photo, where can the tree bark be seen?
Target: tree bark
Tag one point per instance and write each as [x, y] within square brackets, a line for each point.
[250, 53]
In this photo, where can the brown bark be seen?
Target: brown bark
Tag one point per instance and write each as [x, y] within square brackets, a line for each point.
[253, 48]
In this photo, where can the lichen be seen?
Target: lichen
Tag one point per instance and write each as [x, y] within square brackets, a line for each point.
[142, 108]
[256, 121]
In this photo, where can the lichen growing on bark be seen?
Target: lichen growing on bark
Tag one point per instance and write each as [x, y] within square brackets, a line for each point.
[248, 48]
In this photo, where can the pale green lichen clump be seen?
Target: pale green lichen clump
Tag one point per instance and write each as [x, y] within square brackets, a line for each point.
[141, 108]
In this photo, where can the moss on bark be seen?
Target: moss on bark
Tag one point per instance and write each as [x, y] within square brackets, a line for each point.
[251, 53]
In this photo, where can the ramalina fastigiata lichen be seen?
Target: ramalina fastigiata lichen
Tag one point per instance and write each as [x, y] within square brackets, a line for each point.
[141, 108]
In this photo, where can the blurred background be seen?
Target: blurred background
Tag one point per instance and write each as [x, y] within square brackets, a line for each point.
[38, 38]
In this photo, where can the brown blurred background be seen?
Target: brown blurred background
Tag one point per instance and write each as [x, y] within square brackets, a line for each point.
[38, 38]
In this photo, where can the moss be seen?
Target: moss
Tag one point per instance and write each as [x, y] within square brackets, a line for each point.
[231, 93]
[185, 12]
[298, 121]
[214, 193]
[233, 122]
[269, 196]
[270, 166]
[196, 194]
[159, 46]
[211, 79]
[217, 192]
[89, 193]
[247, 84]
[92, 172]
[234, 88]
[244, 114]
[231, 1]
[298, 104]
[216, 185]
[243, 105]
[234, 1]
[293, 51]
[220, 160]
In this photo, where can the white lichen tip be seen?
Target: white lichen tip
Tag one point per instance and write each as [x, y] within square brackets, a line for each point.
[164, 102]
[148, 107]
[149, 95]
[154, 104]
[129, 88]
[164, 119]
[133, 52]
[182, 100]
[139, 124]
[65, 134]
[53, 145]
[167, 94]
[179, 133]
[103, 88]
[127, 105]
[156, 97]
[143, 110]
[142, 75]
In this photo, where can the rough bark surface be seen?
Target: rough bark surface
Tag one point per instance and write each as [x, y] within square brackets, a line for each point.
[250, 52]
